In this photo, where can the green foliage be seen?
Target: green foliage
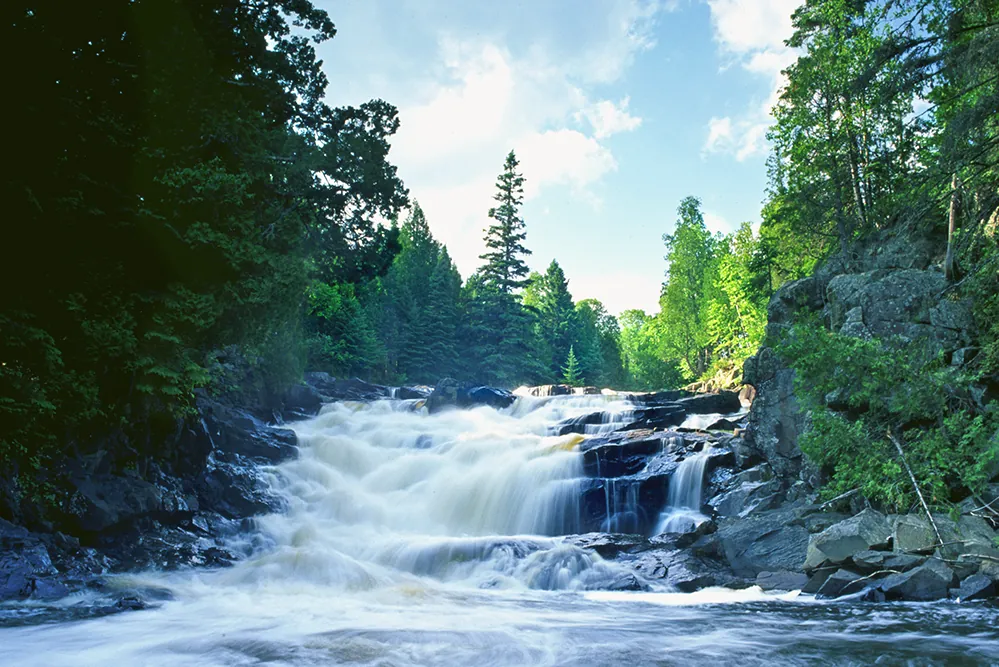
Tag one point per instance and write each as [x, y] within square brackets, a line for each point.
[860, 391]
[182, 181]
[571, 374]
[645, 365]
[505, 269]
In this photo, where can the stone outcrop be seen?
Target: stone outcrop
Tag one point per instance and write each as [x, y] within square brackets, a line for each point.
[450, 393]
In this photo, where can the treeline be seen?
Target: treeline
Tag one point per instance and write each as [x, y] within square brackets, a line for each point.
[419, 322]
[712, 308]
[177, 184]
[888, 133]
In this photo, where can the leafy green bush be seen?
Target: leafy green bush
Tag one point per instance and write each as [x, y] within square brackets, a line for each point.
[859, 392]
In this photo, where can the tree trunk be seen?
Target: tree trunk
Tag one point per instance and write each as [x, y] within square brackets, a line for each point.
[950, 263]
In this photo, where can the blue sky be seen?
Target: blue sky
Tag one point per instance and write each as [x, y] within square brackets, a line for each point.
[617, 110]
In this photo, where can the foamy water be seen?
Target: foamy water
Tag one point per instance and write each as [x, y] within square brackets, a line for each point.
[416, 539]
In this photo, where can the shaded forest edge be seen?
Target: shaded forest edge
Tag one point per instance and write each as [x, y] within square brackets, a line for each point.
[193, 222]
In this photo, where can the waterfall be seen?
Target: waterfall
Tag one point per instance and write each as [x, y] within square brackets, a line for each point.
[686, 490]
[385, 491]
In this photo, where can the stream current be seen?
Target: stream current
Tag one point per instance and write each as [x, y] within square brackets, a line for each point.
[416, 539]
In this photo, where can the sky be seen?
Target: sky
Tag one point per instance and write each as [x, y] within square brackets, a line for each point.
[617, 110]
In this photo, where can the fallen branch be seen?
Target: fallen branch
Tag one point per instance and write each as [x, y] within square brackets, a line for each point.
[915, 485]
[838, 498]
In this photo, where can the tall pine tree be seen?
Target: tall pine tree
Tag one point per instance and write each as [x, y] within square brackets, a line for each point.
[498, 332]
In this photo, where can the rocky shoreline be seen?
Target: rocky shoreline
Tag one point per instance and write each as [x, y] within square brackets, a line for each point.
[754, 527]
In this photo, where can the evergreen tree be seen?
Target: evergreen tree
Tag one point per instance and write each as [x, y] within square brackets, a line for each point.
[499, 335]
[601, 333]
[557, 324]
[571, 372]
[505, 269]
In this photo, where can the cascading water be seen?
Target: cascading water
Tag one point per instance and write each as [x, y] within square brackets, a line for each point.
[686, 491]
[415, 539]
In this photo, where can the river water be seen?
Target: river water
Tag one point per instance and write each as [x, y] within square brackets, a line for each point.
[415, 539]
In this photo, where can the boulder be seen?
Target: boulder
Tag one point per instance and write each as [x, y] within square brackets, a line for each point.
[659, 397]
[609, 545]
[781, 581]
[411, 393]
[930, 581]
[874, 561]
[657, 417]
[618, 459]
[763, 542]
[24, 562]
[839, 583]
[975, 587]
[450, 393]
[913, 534]
[722, 402]
[356, 389]
[842, 540]
[301, 401]
[100, 502]
[238, 432]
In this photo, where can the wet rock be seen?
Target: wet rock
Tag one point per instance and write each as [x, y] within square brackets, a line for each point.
[451, 393]
[100, 502]
[838, 542]
[546, 390]
[412, 393]
[764, 542]
[301, 401]
[724, 425]
[618, 459]
[818, 578]
[356, 389]
[659, 397]
[239, 432]
[841, 582]
[974, 587]
[235, 490]
[746, 498]
[781, 581]
[609, 545]
[930, 581]
[722, 402]
[658, 417]
[24, 562]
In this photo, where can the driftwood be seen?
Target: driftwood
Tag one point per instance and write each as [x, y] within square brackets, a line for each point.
[915, 485]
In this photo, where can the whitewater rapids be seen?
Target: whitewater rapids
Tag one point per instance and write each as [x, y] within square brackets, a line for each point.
[416, 539]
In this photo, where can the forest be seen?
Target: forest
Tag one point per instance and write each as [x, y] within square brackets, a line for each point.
[190, 212]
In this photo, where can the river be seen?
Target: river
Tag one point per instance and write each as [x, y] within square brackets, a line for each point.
[416, 539]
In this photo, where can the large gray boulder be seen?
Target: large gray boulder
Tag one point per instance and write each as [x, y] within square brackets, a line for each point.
[930, 581]
[842, 540]
[763, 542]
[975, 587]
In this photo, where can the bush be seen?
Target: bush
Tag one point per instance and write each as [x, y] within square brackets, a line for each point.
[860, 391]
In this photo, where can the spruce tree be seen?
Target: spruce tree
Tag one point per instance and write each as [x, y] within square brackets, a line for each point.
[557, 323]
[499, 338]
[571, 371]
[504, 269]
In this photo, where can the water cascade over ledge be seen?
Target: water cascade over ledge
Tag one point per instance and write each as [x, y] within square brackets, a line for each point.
[409, 538]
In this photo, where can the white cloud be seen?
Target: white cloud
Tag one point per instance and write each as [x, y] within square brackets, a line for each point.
[751, 34]
[717, 223]
[482, 97]
[608, 118]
